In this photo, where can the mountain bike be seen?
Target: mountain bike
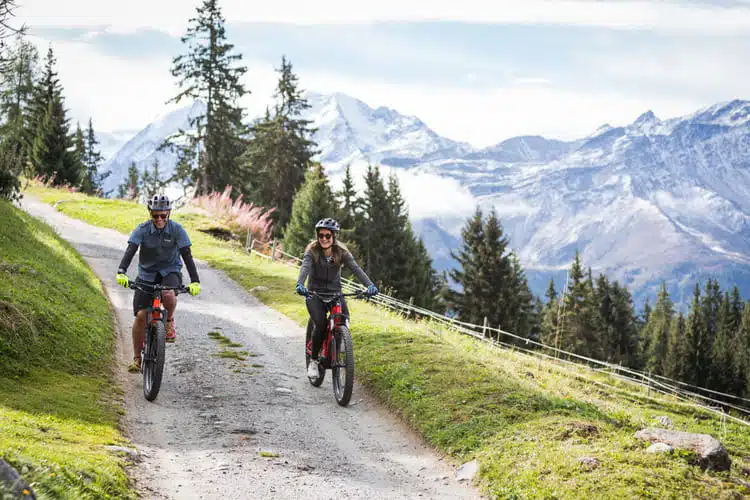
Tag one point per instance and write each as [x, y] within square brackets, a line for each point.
[154, 344]
[337, 350]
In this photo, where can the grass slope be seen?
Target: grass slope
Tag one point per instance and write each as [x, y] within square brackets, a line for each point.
[57, 398]
[527, 421]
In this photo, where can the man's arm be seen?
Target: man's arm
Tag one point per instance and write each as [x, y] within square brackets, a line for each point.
[187, 257]
[127, 258]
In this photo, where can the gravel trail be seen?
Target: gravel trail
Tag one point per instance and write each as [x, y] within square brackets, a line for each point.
[206, 434]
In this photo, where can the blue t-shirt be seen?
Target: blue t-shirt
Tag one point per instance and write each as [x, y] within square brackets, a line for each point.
[159, 249]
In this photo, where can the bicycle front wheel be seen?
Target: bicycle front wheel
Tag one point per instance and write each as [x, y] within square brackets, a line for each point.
[343, 367]
[153, 360]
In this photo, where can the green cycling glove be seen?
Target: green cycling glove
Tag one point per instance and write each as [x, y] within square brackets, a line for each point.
[194, 288]
[122, 280]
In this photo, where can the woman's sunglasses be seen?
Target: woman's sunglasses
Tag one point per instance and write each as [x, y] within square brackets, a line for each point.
[159, 216]
[325, 236]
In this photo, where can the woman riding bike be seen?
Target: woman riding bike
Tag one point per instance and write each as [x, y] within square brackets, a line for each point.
[322, 263]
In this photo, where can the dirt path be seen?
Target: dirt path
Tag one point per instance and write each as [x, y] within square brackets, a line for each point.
[204, 434]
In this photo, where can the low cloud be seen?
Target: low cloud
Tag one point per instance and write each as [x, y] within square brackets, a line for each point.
[170, 15]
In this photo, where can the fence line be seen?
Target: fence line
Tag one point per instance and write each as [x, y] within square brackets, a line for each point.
[656, 383]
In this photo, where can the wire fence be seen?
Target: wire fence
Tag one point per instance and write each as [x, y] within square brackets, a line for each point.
[684, 393]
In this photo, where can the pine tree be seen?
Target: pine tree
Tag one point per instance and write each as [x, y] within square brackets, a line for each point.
[280, 149]
[79, 149]
[549, 315]
[347, 209]
[710, 309]
[578, 332]
[696, 327]
[151, 181]
[468, 275]
[657, 332]
[371, 225]
[722, 349]
[313, 202]
[492, 280]
[131, 187]
[742, 368]
[624, 326]
[92, 179]
[674, 364]
[17, 76]
[209, 72]
[51, 152]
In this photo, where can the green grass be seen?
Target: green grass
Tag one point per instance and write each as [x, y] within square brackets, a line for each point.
[58, 398]
[525, 420]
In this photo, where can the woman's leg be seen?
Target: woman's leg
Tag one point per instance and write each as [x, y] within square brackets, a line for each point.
[317, 310]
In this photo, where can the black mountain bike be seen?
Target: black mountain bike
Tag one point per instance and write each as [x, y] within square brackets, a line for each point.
[154, 344]
[337, 350]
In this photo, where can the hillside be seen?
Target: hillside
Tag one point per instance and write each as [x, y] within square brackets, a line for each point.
[527, 421]
[58, 398]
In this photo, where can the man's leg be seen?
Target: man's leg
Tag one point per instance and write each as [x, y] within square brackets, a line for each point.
[169, 298]
[141, 301]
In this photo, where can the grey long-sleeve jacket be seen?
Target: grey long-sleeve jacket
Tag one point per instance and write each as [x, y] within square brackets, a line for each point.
[325, 276]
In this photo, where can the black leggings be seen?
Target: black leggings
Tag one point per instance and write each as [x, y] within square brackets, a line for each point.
[318, 309]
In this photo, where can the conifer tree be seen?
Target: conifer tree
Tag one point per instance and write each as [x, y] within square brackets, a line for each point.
[210, 72]
[549, 315]
[151, 180]
[624, 326]
[674, 364]
[131, 186]
[467, 275]
[314, 201]
[722, 348]
[657, 332]
[51, 152]
[347, 206]
[92, 178]
[742, 367]
[695, 333]
[280, 149]
[17, 74]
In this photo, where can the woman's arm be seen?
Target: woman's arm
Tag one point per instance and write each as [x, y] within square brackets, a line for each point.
[354, 268]
[304, 270]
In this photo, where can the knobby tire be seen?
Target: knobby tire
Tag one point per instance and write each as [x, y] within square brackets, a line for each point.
[344, 345]
[153, 361]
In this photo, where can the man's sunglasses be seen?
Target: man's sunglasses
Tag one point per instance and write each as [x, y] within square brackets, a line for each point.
[325, 236]
[159, 216]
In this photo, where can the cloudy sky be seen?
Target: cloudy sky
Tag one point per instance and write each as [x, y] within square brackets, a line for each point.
[473, 70]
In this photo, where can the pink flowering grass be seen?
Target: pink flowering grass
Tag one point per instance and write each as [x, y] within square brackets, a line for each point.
[237, 215]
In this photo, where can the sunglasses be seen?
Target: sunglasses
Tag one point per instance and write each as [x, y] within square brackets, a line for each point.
[325, 236]
[159, 216]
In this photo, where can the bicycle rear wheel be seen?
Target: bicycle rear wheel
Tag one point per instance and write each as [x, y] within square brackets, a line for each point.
[153, 360]
[321, 371]
[343, 368]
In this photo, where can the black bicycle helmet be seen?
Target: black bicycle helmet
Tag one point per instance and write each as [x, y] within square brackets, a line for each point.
[328, 223]
[159, 202]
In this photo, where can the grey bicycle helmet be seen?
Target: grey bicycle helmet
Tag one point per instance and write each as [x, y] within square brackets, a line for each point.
[159, 202]
[328, 223]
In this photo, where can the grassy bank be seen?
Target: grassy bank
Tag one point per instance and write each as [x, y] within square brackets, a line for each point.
[58, 406]
[528, 422]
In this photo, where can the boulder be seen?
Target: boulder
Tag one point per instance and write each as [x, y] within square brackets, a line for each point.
[710, 452]
[12, 481]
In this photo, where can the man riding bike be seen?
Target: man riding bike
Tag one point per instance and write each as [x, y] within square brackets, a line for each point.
[162, 242]
[322, 261]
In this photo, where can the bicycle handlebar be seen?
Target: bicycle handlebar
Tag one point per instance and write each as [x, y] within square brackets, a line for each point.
[147, 288]
[333, 295]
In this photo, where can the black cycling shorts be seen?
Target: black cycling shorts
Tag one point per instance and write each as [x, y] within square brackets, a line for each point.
[142, 300]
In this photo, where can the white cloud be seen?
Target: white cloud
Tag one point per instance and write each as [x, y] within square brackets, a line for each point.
[126, 94]
[172, 15]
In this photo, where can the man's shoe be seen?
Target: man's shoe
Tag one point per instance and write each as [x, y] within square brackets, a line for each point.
[135, 366]
[171, 333]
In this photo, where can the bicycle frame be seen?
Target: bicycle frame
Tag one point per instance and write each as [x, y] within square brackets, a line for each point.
[334, 318]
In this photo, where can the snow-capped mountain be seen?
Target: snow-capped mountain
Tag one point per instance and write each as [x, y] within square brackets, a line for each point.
[652, 200]
[143, 147]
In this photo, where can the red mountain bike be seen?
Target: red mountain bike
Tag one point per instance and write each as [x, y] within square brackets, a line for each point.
[154, 344]
[337, 350]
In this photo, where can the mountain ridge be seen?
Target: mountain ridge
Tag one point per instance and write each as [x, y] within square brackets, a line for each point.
[637, 199]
